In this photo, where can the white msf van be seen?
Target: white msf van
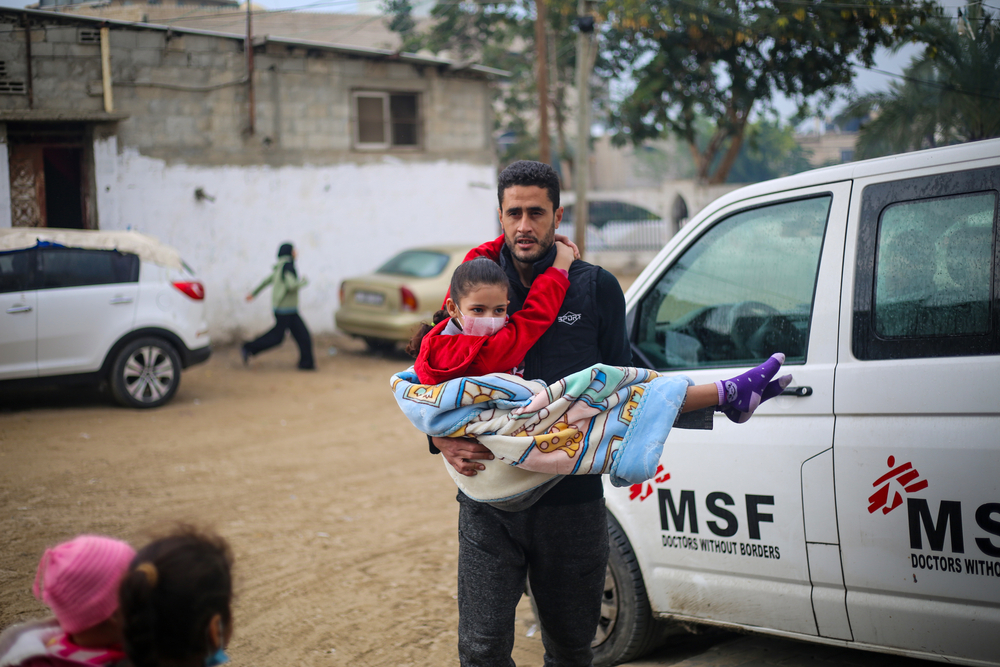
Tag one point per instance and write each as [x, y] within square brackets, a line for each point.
[861, 508]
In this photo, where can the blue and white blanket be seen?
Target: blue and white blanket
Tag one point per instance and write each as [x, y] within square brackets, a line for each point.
[601, 420]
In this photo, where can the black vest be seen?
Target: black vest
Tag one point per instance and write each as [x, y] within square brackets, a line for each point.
[570, 344]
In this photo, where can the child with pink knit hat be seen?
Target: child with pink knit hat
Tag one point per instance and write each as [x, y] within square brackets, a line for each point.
[78, 580]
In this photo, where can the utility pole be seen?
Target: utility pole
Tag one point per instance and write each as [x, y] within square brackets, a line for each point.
[542, 79]
[585, 51]
[250, 93]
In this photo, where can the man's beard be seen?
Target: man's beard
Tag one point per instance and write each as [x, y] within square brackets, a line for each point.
[542, 246]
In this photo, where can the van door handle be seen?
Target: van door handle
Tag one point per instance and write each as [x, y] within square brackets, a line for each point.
[797, 391]
[19, 309]
[120, 300]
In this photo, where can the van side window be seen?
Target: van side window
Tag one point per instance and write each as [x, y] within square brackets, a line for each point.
[933, 268]
[76, 267]
[925, 276]
[741, 292]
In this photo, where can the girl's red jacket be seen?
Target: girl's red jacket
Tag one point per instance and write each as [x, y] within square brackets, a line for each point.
[444, 358]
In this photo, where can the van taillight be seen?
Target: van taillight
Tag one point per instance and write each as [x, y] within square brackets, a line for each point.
[407, 299]
[341, 292]
[193, 289]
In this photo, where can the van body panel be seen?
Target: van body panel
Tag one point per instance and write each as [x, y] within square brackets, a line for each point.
[881, 487]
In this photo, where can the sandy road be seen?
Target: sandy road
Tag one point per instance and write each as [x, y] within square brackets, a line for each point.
[344, 528]
[342, 525]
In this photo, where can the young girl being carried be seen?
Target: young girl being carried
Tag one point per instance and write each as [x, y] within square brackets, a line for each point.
[473, 337]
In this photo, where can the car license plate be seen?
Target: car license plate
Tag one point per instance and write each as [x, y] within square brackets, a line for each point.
[369, 298]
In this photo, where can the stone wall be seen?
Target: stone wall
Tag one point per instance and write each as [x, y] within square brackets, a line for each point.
[186, 97]
[297, 177]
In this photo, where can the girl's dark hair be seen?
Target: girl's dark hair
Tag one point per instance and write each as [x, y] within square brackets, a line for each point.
[468, 276]
[173, 588]
[286, 251]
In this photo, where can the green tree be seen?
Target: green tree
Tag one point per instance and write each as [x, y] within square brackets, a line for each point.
[501, 35]
[723, 58]
[768, 151]
[949, 93]
[400, 19]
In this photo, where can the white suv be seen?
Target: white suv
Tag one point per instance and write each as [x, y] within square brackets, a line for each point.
[861, 508]
[91, 306]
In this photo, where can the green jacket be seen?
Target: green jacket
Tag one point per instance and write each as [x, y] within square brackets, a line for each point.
[285, 286]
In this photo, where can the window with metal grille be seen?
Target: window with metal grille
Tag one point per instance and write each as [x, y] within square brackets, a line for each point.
[11, 87]
[386, 120]
[7, 85]
[88, 36]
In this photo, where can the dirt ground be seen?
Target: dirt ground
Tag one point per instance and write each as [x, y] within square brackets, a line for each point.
[343, 527]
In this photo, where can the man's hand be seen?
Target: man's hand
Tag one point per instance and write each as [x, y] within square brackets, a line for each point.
[463, 453]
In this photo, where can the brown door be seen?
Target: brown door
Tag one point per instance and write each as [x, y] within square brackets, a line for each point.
[27, 186]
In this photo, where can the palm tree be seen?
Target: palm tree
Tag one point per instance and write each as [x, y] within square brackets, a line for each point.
[950, 92]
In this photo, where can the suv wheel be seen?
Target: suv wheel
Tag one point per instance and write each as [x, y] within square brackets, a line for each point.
[380, 345]
[627, 629]
[146, 373]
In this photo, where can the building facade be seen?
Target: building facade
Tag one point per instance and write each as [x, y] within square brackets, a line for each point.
[351, 153]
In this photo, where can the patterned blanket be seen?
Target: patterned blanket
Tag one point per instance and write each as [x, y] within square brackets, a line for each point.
[601, 420]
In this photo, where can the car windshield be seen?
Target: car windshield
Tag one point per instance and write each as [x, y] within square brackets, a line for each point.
[416, 264]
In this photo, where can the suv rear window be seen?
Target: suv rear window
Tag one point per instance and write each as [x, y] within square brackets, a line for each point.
[76, 267]
[415, 264]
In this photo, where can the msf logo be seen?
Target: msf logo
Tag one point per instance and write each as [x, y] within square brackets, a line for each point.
[645, 490]
[937, 529]
[903, 477]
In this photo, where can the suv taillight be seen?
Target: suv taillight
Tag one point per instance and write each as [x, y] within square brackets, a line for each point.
[193, 289]
[341, 293]
[407, 300]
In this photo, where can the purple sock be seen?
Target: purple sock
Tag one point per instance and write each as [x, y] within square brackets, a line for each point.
[741, 395]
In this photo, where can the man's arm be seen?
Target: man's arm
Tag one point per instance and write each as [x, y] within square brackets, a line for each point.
[612, 337]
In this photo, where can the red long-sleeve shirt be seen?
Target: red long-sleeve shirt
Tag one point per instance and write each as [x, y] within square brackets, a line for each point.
[444, 358]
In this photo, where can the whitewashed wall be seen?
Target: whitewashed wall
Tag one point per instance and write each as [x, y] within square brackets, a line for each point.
[345, 220]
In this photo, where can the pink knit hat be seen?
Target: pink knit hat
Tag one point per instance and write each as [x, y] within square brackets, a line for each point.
[79, 580]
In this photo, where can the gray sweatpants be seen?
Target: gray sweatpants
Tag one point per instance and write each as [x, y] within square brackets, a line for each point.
[563, 549]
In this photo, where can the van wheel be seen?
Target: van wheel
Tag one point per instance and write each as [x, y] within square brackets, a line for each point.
[146, 373]
[627, 629]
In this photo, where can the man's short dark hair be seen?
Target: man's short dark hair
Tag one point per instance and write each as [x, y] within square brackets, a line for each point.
[528, 172]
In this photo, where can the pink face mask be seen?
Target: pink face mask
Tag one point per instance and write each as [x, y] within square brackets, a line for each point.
[482, 326]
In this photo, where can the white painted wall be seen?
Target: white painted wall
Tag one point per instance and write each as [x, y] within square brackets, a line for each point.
[5, 212]
[345, 220]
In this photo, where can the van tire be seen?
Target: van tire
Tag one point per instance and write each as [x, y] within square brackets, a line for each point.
[146, 373]
[627, 629]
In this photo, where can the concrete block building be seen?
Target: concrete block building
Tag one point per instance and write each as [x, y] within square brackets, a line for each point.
[352, 153]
